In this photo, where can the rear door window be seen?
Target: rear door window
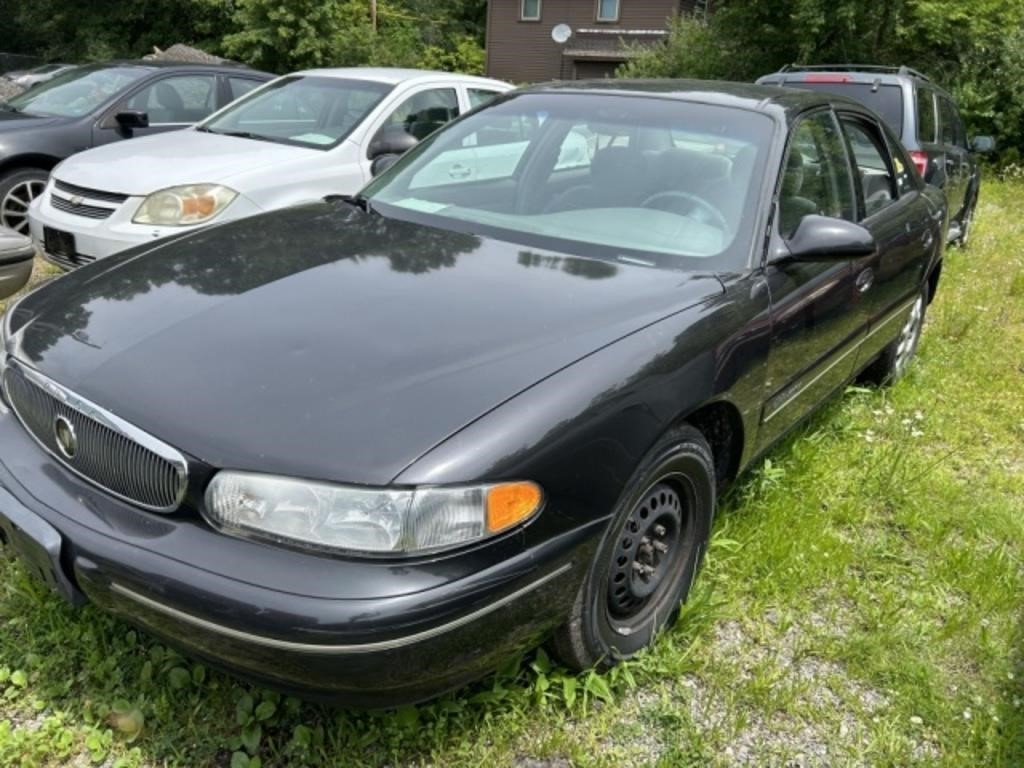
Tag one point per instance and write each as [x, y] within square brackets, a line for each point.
[240, 86]
[871, 158]
[951, 129]
[926, 116]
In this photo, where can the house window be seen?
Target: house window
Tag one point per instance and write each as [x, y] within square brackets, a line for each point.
[607, 10]
[529, 10]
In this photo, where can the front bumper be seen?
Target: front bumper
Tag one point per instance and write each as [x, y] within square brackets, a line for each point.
[359, 632]
[99, 238]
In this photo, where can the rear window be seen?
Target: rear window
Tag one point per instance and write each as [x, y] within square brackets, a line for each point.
[885, 100]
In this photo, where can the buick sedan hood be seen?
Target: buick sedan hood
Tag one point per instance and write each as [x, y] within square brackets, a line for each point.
[325, 342]
[144, 165]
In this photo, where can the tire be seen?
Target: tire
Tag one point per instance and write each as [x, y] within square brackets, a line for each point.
[894, 361]
[648, 558]
[17, 190]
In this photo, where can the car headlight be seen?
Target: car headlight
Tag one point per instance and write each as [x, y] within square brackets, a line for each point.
[373, 520]
[180, 206]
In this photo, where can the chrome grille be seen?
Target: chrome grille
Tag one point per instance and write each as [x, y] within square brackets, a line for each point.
[81, 209]
[109, 452]
[95, 194]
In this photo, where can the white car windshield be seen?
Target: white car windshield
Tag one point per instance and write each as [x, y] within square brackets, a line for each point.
[77, 92]
[307, 111]
[647, 179]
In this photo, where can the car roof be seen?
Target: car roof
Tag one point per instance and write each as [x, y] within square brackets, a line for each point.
[184, 65]
[760, 98]
[396, 75]
[854, 73]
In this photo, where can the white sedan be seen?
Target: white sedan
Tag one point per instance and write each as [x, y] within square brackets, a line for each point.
[295, 139]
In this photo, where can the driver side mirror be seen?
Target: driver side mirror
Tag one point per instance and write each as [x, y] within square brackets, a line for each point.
[132, 118]
[822, 238]
[983, 145]
[391, 140]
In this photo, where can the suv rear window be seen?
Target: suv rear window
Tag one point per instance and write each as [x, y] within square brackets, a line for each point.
[885, 100]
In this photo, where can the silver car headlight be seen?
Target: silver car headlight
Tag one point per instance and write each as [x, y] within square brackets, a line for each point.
[332, 517]
[185, 205]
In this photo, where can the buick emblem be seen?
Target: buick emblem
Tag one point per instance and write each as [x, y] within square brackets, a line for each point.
[76, 201]
[67, 440]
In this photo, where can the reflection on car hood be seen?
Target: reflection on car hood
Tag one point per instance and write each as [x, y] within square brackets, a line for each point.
[146, 164]
[325, 342]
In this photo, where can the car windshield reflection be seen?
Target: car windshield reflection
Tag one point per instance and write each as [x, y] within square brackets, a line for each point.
[77, 92]
[633, 178]
[307, 111]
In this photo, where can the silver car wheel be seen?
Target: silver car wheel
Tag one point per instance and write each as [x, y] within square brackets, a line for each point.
[910, 334]
[14, 206]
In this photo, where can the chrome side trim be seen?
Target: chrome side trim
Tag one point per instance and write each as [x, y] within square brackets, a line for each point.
[106, 419]
[331, 650]
[853, 348]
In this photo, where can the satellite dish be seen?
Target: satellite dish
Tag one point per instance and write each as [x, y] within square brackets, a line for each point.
[561, 33]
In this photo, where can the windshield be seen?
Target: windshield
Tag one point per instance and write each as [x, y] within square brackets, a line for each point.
[313, 112]
[77, 92]
[649, 180]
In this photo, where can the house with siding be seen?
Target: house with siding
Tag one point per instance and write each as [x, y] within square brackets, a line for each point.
[521, 48]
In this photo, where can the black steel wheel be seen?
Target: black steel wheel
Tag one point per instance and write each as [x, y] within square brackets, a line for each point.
[648, 557]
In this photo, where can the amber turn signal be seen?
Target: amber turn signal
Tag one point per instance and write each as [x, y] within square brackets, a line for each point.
[511, 503]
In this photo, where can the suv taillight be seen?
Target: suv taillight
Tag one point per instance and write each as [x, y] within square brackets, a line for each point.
[920, 161]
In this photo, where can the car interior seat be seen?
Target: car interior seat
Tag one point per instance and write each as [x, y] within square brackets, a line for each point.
[792, 205]
[618, 177]
[170, 107]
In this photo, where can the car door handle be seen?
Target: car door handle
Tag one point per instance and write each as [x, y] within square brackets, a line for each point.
[459, 171]
[927, 239]
[865, 279]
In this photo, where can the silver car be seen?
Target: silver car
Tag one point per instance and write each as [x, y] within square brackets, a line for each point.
[16, 256]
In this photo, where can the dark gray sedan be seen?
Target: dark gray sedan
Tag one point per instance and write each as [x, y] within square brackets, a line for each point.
[367, 448]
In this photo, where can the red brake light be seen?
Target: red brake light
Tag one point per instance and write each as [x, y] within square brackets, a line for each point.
[920, 161]
[827, 79]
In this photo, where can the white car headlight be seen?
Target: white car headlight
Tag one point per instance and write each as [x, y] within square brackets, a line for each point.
[180, 206]
[374, 520]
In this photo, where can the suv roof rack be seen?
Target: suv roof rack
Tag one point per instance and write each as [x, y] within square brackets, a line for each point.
[900, 70]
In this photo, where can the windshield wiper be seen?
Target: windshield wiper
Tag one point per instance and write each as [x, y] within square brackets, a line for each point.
[242, 135]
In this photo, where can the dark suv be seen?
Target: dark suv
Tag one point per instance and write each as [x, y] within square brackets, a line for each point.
[924, 116]
[99, 103]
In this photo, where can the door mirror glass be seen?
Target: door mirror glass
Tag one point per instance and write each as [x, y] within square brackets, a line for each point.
[382, 163]
[822, 238]
[983, 144]
[391, 140]
[132, 118]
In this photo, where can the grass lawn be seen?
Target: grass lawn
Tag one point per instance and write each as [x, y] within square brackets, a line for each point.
[862, 604]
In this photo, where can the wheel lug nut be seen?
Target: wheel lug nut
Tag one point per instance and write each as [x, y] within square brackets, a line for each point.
[659, 530]
[641, 568]
[661, 546]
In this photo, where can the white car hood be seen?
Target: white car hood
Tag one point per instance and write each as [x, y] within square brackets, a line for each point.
[144, 165]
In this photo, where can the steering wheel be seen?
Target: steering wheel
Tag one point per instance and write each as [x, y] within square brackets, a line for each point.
[704, 211]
